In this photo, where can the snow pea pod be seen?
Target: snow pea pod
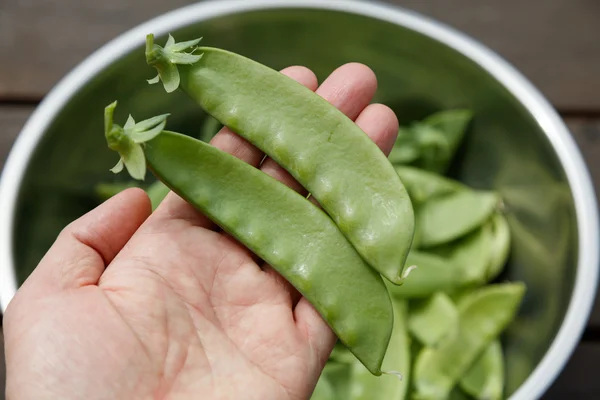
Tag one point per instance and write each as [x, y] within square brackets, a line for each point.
[453, 123]
[423, 185]
[339, 375]
[485, 379]
[483, 315]
[447, 218]
[279, 225]
[323, 390]
[365, 386]
[500, 245]
[431, 144]
[471, 255]
[433, 274]
[322, 148]
[433, 319]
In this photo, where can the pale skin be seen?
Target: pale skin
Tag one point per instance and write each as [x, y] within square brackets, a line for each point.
[133, 305]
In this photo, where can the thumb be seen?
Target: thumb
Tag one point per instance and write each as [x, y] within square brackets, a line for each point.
[87, 245]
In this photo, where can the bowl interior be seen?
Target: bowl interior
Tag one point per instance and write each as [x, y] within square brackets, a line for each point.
[505, 148]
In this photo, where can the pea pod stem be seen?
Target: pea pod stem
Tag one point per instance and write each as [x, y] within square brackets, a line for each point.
[316, 143]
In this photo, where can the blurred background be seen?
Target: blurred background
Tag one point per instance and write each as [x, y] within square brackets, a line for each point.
[554, 43]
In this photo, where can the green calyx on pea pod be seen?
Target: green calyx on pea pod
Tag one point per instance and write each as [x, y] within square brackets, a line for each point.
[380, 218]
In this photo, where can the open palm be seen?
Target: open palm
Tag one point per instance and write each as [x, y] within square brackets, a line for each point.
[128, 305]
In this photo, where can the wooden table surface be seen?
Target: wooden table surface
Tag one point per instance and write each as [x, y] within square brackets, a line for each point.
[554, 43]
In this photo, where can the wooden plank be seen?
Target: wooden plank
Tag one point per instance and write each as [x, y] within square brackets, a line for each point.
[12, 119]
[579, 379]
[554, 45]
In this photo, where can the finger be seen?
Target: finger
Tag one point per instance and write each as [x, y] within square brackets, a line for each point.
[380, 123]
[174, 207]
[86, 246]
[350, 88]
[314, 328]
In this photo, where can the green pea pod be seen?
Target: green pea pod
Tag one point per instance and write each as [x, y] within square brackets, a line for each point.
[420, 145]
[423, 185]
[434, 146]
[453, 123]
[458, 394]
[447, 218]
[406, 148]
[416, 244]
[432, 274]
[279, 225]
[483, 315]
[485, 379]
[500, 245]
[431, 144]
[339, 375]
[322, 148]
[471, 254]
[365, 386]
[433, 319]
[323, 390]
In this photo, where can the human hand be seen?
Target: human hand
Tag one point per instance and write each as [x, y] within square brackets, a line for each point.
[132, 305]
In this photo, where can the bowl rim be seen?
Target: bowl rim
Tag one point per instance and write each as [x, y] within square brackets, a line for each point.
[585, 284]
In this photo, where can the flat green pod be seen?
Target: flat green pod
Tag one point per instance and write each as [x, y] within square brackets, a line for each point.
[483, 315]
[431, 143]
[499, 246]
[276, 223]
[432, 274]
[470, 254]
[453, 123]
[323, 149]
[433, 319]
[485, 379]
[423, 185]
[339, 376]
[365, 386]
[323, 390]
[444, 219]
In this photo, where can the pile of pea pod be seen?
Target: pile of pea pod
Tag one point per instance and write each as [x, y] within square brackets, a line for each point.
[450, 313]
[439, 327]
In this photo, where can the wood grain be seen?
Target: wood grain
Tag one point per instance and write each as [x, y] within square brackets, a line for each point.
[555, 44]
[12, 119]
